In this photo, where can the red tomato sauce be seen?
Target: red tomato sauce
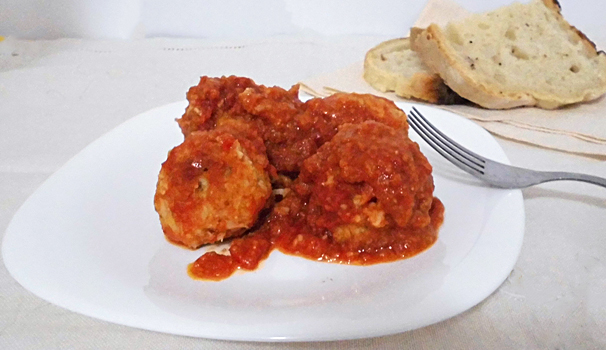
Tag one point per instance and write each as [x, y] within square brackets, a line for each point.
[365, 197]
[348, 184]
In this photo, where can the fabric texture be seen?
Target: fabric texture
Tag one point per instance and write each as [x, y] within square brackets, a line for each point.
[58, 96]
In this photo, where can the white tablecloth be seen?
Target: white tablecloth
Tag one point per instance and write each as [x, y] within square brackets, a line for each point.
[58, 96]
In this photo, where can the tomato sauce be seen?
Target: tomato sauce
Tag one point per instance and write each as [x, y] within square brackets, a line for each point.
[365, 197]
[397, 244]
[353, 188]
[244, 253]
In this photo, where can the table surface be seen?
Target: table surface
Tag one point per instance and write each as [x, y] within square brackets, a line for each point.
[58, 96]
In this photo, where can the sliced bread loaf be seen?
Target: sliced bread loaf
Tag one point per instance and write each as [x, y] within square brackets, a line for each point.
[518, 55]
[393, 66]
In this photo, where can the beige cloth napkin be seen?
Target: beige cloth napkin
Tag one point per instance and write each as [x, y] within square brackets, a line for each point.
[579, 128]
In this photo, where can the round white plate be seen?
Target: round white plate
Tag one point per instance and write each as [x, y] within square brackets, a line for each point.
[90, 241]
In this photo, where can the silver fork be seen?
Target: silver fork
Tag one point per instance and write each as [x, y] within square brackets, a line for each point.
[491, 172]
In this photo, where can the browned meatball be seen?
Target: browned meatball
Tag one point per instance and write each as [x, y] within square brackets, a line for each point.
[211, 187]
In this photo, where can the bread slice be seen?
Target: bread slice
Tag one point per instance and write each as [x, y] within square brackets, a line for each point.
[518, 55]
[393, 66]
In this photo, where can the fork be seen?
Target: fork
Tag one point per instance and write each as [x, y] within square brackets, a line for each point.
[494, 173]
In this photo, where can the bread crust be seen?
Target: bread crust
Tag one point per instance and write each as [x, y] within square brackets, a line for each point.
[435, 49]
[422, 85]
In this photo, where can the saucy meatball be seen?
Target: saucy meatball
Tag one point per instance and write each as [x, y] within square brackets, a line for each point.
[291, 130]
[294, 131]
[212, 99]
[366, 195]
[211, 187]
[337, 179]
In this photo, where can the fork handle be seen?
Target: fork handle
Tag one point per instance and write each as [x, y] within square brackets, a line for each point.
[546, 176]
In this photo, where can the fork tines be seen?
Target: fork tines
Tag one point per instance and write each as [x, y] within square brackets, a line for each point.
[444, 145]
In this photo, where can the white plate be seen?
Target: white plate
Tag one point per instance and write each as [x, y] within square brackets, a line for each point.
[90, 241]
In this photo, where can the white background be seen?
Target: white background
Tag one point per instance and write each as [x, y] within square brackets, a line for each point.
[116, 19]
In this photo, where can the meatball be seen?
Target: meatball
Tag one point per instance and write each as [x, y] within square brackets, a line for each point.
[324, 115]
[366, 194]
[291, 130]
[211, 187]
[294, 131]
[212, 99]
[369, 175]
[275, 112]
